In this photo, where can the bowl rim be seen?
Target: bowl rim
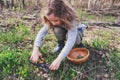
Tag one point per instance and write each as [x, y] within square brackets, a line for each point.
[81, 58]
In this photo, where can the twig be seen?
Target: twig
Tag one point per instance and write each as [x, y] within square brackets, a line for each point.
[91, 69]
[64, 70]
[103, 24]
[80, 74]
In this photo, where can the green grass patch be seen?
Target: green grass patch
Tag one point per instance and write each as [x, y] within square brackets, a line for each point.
[13, 63]
[99, 44]
[16, 34]
[109, 18]
[83, 15]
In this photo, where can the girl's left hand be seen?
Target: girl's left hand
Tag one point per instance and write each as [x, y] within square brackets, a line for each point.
[55, 64]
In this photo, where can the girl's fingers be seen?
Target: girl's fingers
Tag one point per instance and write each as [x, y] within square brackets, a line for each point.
[30, 58]
[50, 67]
[57, 67]
[54, 66]
[40, 54]
[33, 60]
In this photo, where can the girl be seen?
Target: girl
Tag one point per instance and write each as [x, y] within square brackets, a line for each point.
[65, 24]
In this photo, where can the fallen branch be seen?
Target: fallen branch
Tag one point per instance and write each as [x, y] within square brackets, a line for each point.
[103, 24]
[112, 12]
[91, 69]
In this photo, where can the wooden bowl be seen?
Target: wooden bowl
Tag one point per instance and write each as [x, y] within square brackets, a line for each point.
[78, 55]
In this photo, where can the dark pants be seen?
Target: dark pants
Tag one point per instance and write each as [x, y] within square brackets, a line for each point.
[61, 35]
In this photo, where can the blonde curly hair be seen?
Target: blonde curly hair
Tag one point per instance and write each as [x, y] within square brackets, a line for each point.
[61, 10]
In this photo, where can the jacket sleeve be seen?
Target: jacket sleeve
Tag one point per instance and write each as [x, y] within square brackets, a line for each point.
[82, 26]
[38, 40]
[72, 34]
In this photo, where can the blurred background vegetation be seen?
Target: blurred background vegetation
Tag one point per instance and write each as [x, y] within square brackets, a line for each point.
[20, 21]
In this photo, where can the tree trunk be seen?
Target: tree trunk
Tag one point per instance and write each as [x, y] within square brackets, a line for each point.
[11, 4]
[94, 4]
[72, 3]
[37, 2]
[89, 4]
[1, 3]
[0, 7]
[5, 3]
[21, 4]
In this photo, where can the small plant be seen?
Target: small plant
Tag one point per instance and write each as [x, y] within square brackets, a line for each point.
[18, 34]
[117, 75]
[98, 44]
[80, 57]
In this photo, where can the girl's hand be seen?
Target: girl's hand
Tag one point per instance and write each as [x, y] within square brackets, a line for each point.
[55, 64]
[35, 55]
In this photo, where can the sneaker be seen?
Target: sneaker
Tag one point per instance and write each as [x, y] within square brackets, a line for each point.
[58, 48]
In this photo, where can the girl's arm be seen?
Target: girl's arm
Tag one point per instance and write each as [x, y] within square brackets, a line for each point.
[72, 35]
[37, 43]
[40, 35]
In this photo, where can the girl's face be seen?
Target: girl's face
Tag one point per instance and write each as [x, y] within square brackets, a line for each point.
[54, 20]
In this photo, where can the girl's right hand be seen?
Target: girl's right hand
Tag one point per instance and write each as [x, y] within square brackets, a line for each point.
[35, 56]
